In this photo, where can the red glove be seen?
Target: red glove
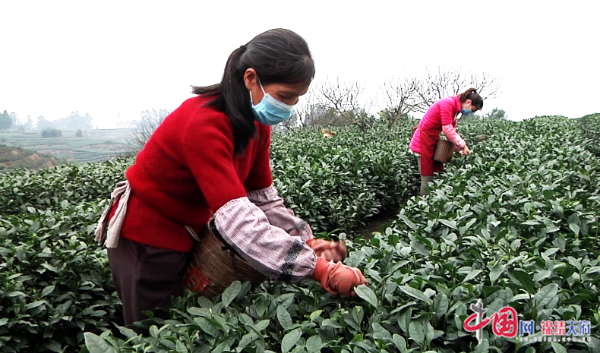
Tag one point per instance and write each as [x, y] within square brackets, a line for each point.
[330, 250]
[338, 278]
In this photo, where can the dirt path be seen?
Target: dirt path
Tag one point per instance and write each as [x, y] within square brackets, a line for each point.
[374, 224]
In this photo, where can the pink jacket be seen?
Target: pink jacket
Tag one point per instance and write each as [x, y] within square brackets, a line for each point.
[441, 116]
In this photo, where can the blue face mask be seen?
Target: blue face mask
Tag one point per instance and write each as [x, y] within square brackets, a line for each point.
[466, 112]
[270, 111]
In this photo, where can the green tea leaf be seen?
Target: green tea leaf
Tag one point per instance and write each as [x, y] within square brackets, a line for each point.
[415, 293]
[53, 346]
[496, 271]
[245, 319]
[546, 294]
[367, 294]
[154, 331]
[20, 253]
[551, 251]
[399, 342]
[519, 297]
[96, 344]
[199, 311]
[558, 348]
[419, 247]
[231, 292]
[483, 347]
[262, 325]
[127, 332]
[205, 325]
[525, 280]
[205, 302]
[285, 320]
[314, 344]
[409, 222]
[332, 323]
[416, 331]
[575, 228]
[472, 275]
[404, 319]
[315, 314]
[449, 224]
[35, 304]
[290, 339]
[180, 347]
[48, 290]
[440, 304]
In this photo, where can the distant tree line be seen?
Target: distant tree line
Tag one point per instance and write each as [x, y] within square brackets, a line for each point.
[6, 121]
[73, 121]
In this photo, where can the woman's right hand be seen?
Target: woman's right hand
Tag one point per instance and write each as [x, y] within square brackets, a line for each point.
[465, 151]
[337, 278]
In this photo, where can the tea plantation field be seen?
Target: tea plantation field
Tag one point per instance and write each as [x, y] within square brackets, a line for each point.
[95, 146]
[513, 224]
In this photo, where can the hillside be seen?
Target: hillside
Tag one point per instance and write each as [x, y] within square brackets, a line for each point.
[93, 146]
[12, 158]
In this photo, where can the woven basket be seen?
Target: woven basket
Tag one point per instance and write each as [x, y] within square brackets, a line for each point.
[444, 150]
[214, 266]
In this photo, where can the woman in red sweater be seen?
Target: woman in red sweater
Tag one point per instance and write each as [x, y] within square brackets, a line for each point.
[441, 116]
[210, 159]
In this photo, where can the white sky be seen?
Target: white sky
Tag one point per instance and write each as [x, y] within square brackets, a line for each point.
[110, 57]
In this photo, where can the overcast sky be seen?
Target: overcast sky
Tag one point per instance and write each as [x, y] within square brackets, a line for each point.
[123, 57]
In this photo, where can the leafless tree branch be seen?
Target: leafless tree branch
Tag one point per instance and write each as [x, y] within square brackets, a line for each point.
[344, 98]
[447, 82]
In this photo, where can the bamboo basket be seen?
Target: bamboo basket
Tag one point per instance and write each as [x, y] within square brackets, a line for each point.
[214, 265]
[444, 150]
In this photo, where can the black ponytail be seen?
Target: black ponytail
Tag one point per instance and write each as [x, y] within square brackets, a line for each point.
[475, 98]
[278, 56]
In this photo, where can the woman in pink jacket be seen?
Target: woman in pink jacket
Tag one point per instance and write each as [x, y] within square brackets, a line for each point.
[441, 117]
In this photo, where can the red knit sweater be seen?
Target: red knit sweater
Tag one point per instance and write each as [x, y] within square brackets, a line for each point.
[187, 171]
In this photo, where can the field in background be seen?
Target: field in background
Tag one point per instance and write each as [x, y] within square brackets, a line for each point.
[95, 146]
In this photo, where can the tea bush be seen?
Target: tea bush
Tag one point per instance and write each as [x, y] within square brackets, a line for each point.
[515, 223]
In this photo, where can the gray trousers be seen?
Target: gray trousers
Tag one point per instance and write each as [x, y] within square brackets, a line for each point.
[146, 277]
[425, 180]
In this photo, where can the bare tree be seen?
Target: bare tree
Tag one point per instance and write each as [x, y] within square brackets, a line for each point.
[343, 97]
[305, 112]
[401, 97]
[447, 82]
[151, 119]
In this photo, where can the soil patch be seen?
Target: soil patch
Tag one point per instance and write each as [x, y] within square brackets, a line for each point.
[374, 224]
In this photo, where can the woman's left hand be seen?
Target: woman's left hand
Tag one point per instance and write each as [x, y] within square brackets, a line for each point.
[329, 250]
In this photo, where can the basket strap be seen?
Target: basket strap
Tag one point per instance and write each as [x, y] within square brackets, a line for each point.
[234, 262]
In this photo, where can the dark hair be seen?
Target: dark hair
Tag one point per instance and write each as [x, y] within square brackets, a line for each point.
[475, 98]
[278, 56]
